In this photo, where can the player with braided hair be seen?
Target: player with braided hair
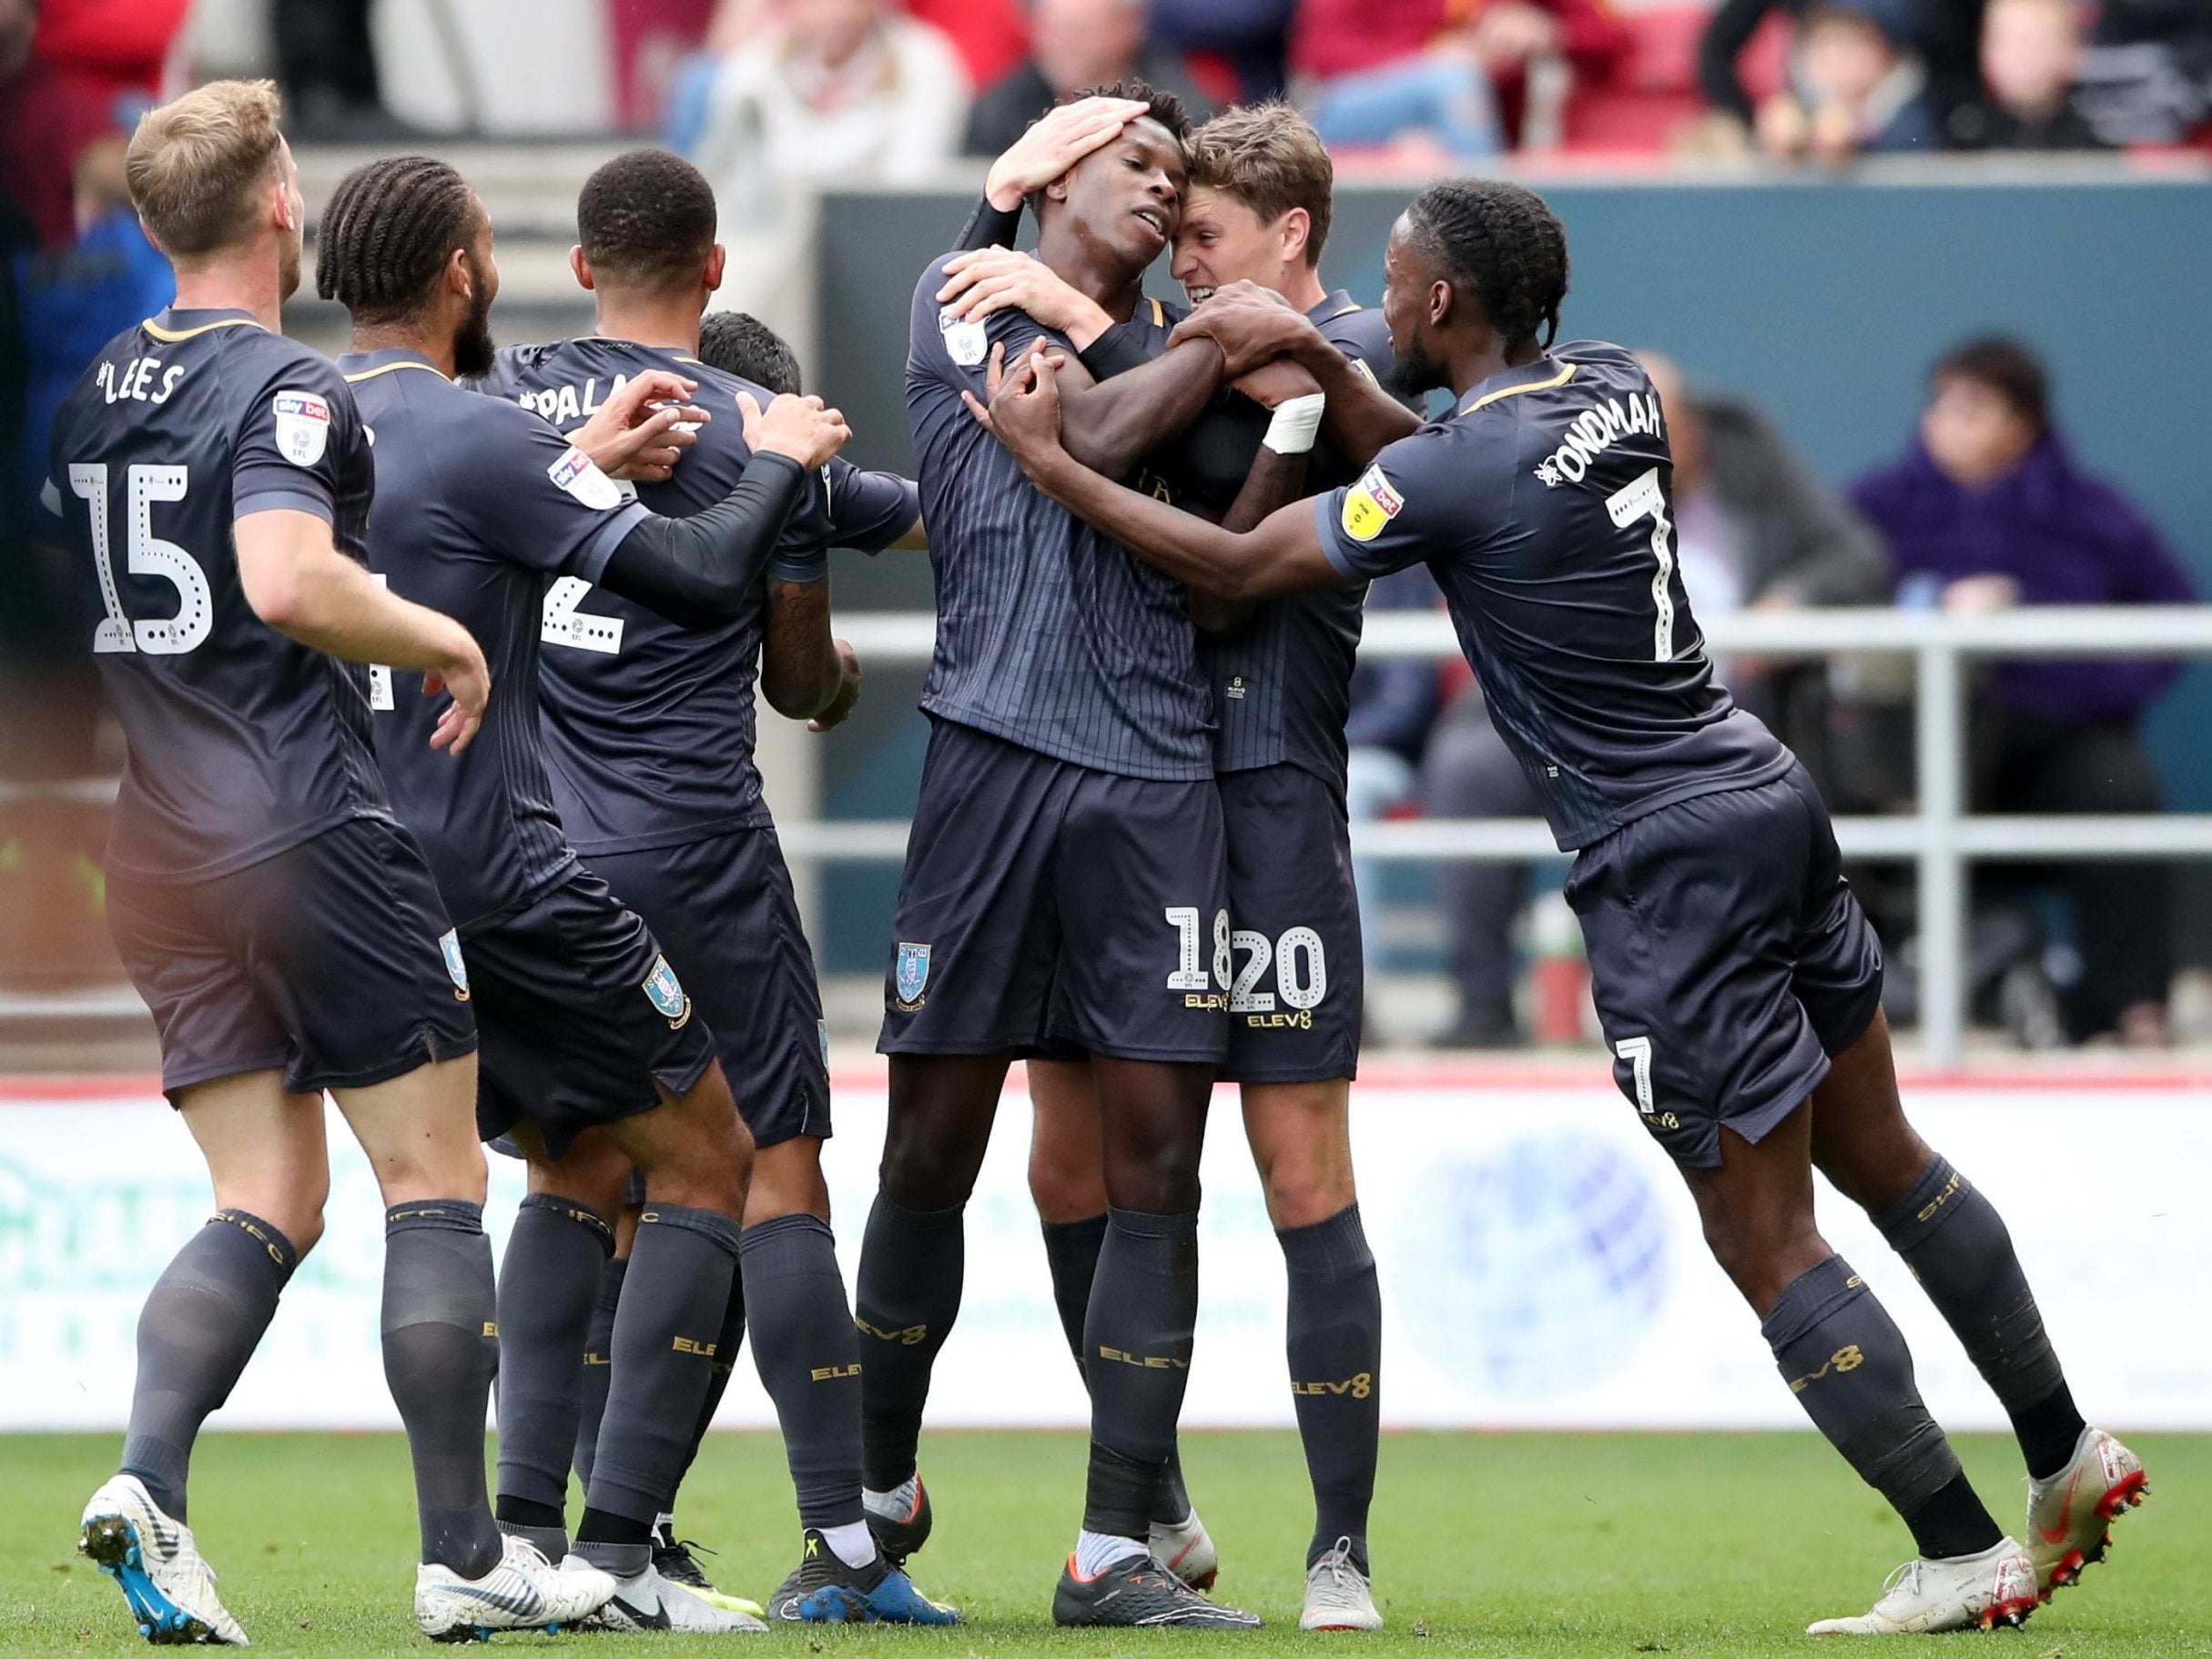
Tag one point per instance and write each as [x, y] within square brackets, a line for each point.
[1737, 981]
[593, 1058]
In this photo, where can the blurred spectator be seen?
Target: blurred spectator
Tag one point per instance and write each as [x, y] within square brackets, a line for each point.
[989, 35]
[48, 114]
[1074, 44]
[1452, 73]
[1252, 37]
[1754, 529]
[2147, 77]
[2031, 57]
[1943, 35]
[325, 60]
[831, 91]
[1853, 89]
[1987, 509]
[1393, 708]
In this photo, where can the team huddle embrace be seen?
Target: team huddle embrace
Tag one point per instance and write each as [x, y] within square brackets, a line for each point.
[438, 666]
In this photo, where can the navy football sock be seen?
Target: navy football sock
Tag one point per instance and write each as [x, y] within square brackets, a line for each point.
[598, 1368]
[1335, 1349]
[1957, 1247]
[1137, 1349]
[673, 1300]
[441, 1346]
[202, 1323]
[1847, 1363]
[727, 1341]
[904, 1302]
[1072, 1252]
[808, 1353]
[547, 1286]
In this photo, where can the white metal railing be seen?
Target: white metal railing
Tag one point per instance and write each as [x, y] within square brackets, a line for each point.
[1940, 838]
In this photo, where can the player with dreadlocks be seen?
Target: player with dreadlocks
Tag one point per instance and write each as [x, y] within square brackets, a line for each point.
[592, 1058]
[1737, 981]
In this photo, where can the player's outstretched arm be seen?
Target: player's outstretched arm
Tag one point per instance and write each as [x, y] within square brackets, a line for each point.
[699, 572]
[805, 673]
[1280, 555]
[1253, 325]
[298, 583]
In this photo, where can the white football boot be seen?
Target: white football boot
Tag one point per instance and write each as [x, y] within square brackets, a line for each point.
[171, 1590]
[1965, 1593]
[2069, 1515]
[650, 1602]
[1185, 1549]
[523, 1591]
[1338, 1594]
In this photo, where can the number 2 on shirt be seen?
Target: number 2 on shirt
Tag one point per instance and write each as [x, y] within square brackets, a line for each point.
[1641, 498]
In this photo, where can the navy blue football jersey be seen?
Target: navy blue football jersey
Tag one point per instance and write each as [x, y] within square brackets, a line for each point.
[650, 726]
[478, 502]
[1049, 634]
[1543, 506]
[869, 510]
[243, 742]
[1282, 682]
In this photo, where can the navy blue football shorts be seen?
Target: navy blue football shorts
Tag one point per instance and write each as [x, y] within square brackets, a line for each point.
[1728, 959]
[1296, 994]
[328, 962]
[1050, 909]
[723, 906]
[581, 1016]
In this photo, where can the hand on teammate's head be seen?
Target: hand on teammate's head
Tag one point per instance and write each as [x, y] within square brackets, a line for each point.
[1058, 139]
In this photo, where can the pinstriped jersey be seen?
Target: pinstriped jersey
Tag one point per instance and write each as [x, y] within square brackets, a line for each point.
[1281, 682]
[1543, 507]
[478, 502]
[243, 742]
[649, 726]
[1049, 634]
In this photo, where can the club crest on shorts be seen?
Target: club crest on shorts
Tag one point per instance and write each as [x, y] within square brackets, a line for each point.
[448, 945]
[910, 974]
[303, 425]
[665, 993]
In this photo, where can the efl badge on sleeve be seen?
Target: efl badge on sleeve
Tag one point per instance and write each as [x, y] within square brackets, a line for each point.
[303, 425]
[910, 976]
[1369, 505]
[965, 342]
[576, 473]
[448, 943]
[665, 993]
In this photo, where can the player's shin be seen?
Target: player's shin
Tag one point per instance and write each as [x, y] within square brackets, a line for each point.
[1846, 1361]
[1335, 1349]
[905, 1299]
[808, 1353]
[547, 1284]
[1137, 1359]
[202, 1323]
[598, 1368]
[727, 1341]
[1957, 1247]
[673, 1302]
[440, 1349]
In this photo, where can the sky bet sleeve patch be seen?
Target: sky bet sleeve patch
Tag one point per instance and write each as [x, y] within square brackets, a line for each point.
[1369, 505]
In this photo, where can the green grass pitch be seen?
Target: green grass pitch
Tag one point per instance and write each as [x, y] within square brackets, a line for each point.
[1524, 1544]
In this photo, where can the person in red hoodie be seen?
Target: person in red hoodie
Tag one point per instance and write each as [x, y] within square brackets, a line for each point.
[1455, 70]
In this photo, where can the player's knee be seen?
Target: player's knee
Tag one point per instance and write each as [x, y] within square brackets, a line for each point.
[1305, 1190]
[786, 1181]
[1065, 1189]
[1159, 1178]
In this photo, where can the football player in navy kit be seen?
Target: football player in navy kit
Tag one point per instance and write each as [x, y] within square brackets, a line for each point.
[1258, 208]
[214, 482]
[1064, 890]
[648, 729]
[594, 1058]
[1737, 981]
